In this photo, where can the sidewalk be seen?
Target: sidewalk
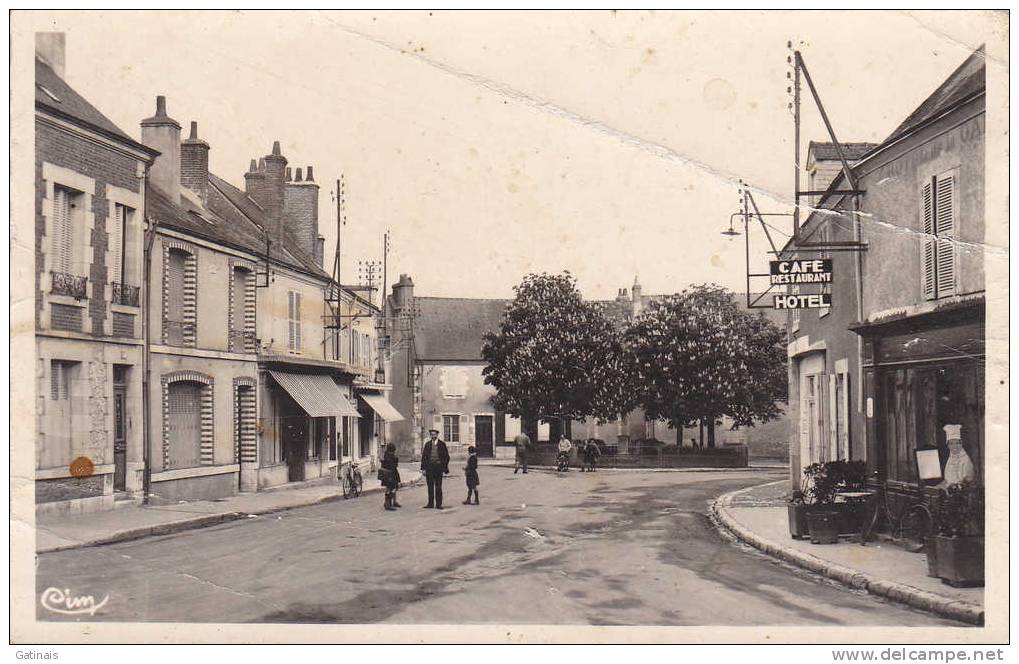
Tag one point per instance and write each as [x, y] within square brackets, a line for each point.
[129, 523]
[753, 467]
[758, 516]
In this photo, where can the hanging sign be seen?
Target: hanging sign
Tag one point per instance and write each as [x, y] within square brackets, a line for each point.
[808, 301]
[802, 271]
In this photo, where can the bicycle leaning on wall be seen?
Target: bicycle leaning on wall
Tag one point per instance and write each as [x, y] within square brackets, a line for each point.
[351, 481]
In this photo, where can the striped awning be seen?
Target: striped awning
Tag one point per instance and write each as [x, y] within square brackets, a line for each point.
[383, 408]
[318, 395]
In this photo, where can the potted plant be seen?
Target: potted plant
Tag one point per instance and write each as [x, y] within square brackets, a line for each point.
[959, 543]
[823, 518]
[797, 505]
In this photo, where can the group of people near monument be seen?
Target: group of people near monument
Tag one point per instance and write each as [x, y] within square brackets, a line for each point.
[435, 466]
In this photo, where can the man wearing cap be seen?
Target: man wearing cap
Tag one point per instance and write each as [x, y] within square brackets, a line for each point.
[434, 464]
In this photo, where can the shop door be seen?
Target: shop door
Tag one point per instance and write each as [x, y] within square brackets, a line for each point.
[185, 425]
[119, 438]
[295, 443]
[484, 435]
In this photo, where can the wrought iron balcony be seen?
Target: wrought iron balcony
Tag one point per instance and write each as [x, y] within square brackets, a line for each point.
[125, 295]
[243, 340]
[68, 284]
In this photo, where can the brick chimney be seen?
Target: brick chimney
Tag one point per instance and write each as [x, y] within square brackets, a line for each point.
[162, 133]
[272, 193]
[320, 251]
[50, 47]
[253, 181]
[300, 210]
[194, 164]
[403, 292]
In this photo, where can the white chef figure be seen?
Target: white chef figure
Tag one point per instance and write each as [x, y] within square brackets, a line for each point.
[959, 466]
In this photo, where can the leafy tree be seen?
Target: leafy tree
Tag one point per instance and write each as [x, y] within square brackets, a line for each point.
[697, 356]
[555, 357]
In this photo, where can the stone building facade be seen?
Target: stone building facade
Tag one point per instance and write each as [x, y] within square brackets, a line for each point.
[90, 201]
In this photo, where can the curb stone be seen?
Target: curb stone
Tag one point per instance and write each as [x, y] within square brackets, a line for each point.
[203, 521]
[919, 599]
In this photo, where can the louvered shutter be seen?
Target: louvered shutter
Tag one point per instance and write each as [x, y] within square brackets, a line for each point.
[63, 231]
[944, 226]
[116, 238]
[297, 322]
[291, 334]
[929, 268]
[833, 418]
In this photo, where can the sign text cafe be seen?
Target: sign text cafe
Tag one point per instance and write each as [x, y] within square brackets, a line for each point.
[802, 272]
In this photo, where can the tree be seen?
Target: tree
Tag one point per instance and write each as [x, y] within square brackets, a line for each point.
[698, 357]
[555, 357]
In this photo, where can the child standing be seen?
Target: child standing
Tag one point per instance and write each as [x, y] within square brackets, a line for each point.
[390, 476]
[472, 476]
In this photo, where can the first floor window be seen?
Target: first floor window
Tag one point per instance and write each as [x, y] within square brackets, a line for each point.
[67, 204]
[451, 428]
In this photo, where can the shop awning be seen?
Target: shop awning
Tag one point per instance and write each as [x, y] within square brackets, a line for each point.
[384, 409]
[318, 395]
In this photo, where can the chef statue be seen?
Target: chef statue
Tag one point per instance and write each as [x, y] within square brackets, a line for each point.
[959, 467]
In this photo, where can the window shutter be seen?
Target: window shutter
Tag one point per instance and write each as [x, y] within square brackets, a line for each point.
[297, 321]
[116, 238]
[290, 320]
[833, 418]
[929, 270]
[63, 231]
[945, 230]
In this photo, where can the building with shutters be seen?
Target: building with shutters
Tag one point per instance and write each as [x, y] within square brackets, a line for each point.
[89, 205]
[900, 353]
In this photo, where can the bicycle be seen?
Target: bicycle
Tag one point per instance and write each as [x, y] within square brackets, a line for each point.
[911, 522]
[350, 480]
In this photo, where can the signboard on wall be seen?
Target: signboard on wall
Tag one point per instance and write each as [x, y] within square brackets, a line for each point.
[807, 301]
[801, 271]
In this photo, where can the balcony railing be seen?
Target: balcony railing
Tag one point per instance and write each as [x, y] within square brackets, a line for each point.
[125, 295]
[242, 340]
[68, 284]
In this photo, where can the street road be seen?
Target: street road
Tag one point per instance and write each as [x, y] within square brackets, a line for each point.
[612, 548]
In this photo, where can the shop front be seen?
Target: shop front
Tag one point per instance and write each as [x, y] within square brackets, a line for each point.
[923, 373]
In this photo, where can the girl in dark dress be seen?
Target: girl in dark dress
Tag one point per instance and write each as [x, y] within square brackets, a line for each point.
[390, 476]
[472, 476]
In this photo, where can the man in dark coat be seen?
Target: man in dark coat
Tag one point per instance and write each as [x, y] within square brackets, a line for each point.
[434, 464]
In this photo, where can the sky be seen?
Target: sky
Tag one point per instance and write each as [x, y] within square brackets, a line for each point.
[493, 144]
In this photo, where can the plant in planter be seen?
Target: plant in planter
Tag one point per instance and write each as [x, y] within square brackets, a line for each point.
[797, 505]
[826, 518]
[959, 544]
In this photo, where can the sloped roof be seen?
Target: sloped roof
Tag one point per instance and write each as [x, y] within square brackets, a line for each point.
[238, 208]
[968, 79]
[449, 328]
[53, 94]
[827, 151]
[185, 216]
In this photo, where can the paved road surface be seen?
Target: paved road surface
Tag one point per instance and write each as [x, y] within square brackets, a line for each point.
[612, 548]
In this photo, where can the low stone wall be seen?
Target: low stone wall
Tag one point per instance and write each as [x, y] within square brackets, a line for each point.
[668, 456]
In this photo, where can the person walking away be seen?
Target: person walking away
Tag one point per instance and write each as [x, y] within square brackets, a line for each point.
[472, 476]
[522, 443]
[591, 454]
[434, 464]
[390, 476]
[565, 450]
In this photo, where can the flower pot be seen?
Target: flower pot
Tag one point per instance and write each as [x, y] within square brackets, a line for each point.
[798, 528]
[930, 547]
[960, 560]
[824, 526]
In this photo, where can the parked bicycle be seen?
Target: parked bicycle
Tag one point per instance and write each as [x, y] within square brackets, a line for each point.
[910, 523]
[350, 480]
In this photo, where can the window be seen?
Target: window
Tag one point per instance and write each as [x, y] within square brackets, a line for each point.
[57, 451]
[180, 275]
[184, 440]
[938, 212]
[242, 313]
[451, 428]
[117, 235]
[294, 322]
[453, 382]
[66, 204]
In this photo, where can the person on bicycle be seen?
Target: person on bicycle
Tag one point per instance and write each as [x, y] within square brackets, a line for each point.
[390, 476]
[565, 449]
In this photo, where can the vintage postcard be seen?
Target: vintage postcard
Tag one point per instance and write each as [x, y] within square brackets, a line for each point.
[711, 306]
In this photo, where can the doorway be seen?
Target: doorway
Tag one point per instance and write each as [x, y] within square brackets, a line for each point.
[295, 433]
[119, 427]
[484, 435]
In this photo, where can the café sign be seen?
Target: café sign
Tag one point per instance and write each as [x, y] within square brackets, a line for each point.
[809, 271]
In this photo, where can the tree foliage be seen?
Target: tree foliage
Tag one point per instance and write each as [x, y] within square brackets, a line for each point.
[555, 355]
[697, 356]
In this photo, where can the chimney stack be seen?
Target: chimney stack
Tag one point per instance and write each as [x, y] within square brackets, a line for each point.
[51, 49]
[300, 211]
[253, 181]
[194, 164]
[162, 133]
[403, 292]
[320, 251]
[272, 193]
